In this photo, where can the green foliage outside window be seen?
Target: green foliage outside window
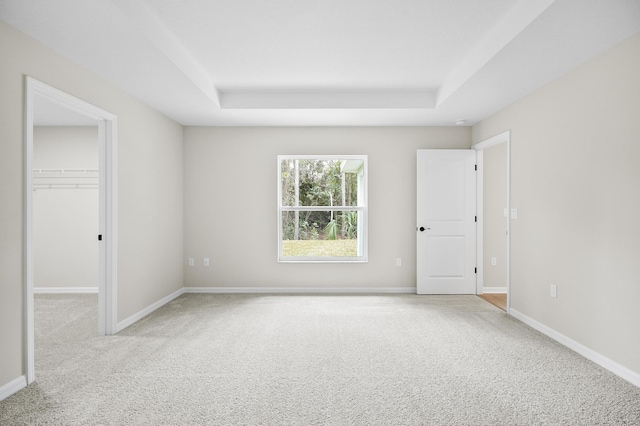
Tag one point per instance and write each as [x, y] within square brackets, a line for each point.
[320, 183]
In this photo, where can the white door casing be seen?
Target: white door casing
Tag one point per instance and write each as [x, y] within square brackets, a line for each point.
[504, 137]
[107, 135]
[446, 222]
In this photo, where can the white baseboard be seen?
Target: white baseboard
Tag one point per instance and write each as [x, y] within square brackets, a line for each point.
[590, 354]
[62, 290]
[494, 290]
[12, 387]
[301, 290]
[146, 311]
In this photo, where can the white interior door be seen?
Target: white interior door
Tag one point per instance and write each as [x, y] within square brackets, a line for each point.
[446, 228]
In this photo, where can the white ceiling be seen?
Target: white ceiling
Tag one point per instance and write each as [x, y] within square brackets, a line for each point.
[329, 62]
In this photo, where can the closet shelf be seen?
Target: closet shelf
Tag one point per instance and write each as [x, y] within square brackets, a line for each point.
[65, 178]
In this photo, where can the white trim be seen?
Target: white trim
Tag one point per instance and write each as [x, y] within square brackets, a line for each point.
[107, 125]
[322, 208]
[12, 387]
[494, 290]
[65, 290]
[604, 362]
[508, 142]
[480, 221]
[146, 311]
[492, 141]
[29, 330]
[109, 225]
[301, 290]
[504, 137]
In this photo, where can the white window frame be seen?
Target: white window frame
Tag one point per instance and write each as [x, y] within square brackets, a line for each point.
[361, 208]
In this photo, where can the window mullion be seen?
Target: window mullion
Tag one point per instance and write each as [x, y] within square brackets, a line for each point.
[322, 208]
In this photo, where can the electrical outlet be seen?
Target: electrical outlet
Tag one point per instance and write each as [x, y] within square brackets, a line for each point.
[554, 291]
[192, 261]
[206, 261]
[494, 261]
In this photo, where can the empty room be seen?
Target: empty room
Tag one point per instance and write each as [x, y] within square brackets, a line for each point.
[340, 212]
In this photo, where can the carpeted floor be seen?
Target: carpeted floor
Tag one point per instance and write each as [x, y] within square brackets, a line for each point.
[310, 360]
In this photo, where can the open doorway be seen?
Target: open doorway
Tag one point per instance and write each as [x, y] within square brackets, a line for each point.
[493, 219]
[65, 225]
[65, 204]
[46, 108]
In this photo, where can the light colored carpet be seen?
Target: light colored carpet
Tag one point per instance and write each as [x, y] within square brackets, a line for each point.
[310, 360]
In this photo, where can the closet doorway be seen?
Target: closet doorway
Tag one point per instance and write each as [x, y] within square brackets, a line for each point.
[69, 159]
[65, 202]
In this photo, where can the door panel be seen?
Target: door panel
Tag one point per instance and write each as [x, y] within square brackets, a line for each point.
[446, 228]
[447, 256]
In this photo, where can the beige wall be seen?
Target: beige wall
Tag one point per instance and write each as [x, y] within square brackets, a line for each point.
[149, 188]
[65, 147]
[575, 158]
[494, 162]
[231, 206]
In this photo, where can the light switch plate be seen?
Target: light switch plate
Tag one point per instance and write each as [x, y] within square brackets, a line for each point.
[514, 213]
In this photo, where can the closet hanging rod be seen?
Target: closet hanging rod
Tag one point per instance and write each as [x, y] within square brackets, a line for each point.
[64, 171]
[66, 186]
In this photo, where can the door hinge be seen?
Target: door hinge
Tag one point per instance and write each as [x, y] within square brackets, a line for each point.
[99, 237]
[476, 167]
[476, 219]
[475, 270]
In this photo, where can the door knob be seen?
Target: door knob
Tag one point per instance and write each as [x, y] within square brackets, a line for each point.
[422, 228]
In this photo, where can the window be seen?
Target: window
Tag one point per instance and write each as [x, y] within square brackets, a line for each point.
[322, 208]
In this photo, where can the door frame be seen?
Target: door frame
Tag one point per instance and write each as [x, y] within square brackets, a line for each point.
[107, 284]
[504, 137]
